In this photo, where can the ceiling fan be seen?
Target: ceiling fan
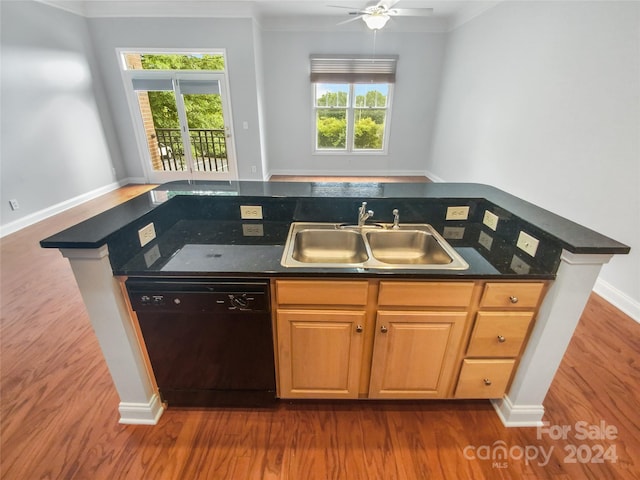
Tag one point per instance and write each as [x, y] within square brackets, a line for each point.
[377, 15]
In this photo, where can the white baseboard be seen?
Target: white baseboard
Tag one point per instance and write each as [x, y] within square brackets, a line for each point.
[618, 299]
[433, 177]
[518, 415]
[141, 413]
[38, 216]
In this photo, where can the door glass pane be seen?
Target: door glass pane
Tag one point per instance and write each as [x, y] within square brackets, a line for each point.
[207, 132]
[162, 130]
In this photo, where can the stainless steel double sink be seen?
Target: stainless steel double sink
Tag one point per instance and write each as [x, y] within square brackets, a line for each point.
[411, 246]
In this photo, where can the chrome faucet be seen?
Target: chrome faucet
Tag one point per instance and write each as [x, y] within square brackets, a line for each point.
[363, 214]
[396, 219]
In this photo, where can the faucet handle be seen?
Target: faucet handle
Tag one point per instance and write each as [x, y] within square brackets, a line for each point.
[396, 219]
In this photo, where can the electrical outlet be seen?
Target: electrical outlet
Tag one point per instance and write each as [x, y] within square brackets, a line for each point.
[527, 243]
[485, 240]
[457, 213]
[490, 220]
[453, 233]
[252, 230]
[146, 234]
[14, 204]
[250, 212]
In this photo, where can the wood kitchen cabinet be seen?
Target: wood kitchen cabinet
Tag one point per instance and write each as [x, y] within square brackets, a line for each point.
[400, 339]
[320, 330]
[502, 324]
[414, 353]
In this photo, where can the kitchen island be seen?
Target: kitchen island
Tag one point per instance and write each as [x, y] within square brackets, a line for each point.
[197, 231]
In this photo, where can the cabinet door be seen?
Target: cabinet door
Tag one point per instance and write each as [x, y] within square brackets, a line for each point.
[320, 353]
[414, 353]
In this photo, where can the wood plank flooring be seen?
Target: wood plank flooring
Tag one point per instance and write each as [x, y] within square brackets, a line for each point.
[59, 408]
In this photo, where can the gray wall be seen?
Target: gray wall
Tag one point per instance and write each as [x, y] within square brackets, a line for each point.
[54, 146]
[289, 101]
[235, 35]
[542, 99]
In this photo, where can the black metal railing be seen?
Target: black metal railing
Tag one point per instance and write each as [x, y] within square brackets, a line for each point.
[208, 148]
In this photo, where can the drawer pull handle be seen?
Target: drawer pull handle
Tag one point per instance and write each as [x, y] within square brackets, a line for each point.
[359, 328]
[501, 339]
[513, 299]
[487, 382]
[383, 329]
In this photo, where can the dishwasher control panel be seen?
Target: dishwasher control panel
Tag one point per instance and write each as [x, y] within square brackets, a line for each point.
[197, 296]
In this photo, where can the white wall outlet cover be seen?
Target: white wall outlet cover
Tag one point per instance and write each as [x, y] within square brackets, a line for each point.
[457, 213]
[527, 243]
[146, 234]
[250, 212]
[453, 233]
[490, 219]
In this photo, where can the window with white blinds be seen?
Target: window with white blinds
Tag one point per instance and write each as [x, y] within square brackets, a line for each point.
[352, 102]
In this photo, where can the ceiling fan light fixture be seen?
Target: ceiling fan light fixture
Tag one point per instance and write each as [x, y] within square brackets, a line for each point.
[375, 21]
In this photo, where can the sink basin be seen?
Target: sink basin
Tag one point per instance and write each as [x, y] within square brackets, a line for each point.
[413, 247]
[331, 245]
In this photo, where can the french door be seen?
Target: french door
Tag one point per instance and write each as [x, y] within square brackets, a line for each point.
[184, 126]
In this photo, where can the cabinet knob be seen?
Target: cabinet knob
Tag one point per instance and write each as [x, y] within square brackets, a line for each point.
[383, 329]
[513, 299]
[359, 328]
[501, 339]
[487, 382]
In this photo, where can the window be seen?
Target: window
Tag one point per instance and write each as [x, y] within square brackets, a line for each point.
[352, 99]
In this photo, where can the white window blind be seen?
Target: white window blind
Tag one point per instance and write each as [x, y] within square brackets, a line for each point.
[166, 84]
[353, 69]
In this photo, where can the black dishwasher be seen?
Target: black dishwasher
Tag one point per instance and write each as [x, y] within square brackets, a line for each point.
[209, 342]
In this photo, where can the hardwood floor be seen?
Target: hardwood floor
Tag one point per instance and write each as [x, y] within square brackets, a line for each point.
[59, 408]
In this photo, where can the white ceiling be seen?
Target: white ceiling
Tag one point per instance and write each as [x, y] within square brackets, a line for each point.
[286, 14]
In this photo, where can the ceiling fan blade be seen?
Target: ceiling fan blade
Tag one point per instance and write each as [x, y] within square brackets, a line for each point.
[358, 9]
[387, 4]
[353, 19]
[411, 12]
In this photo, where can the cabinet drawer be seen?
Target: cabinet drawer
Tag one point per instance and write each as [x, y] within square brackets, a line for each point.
[499, 334]
[484, 378]
[322, 292]
[511, 295]
[425, 294]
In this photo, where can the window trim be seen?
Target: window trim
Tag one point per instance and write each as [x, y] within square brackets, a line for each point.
[351, 108]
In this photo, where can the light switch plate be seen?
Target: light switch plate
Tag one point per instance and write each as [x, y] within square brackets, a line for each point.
[527, 243]
[490, 220]
[250, 212]
[457, 213]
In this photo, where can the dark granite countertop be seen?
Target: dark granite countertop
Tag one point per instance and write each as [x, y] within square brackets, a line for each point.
[199, 230]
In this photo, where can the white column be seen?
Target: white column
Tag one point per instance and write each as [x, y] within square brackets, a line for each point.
[139, 403]
[557, 319]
